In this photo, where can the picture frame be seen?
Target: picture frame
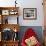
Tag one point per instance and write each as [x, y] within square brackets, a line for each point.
[5, 12]
[30, 13]
[13, 12]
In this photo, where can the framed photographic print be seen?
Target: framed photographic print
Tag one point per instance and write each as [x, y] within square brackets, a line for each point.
[29, 13]
[5, 12]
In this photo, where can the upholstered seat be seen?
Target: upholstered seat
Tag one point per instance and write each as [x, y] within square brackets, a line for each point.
[28, 38]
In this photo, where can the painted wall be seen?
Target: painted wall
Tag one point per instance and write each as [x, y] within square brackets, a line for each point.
[32, 4]
[26, 4]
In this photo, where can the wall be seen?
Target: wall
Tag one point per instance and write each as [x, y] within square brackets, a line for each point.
[27, 4]
[31, 4]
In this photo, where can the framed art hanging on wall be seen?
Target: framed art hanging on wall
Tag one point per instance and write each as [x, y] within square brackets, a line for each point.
[30, 13]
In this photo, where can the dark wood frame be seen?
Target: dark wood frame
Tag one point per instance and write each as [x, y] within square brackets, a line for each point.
[30, 13]
[15, 9]
[11, 26]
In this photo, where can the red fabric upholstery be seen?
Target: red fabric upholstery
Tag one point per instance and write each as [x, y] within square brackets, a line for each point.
[29, 33]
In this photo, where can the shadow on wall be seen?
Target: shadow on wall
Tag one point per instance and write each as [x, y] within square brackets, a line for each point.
[37, 29]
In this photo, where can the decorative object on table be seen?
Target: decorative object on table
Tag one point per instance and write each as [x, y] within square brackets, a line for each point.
[30, 38]
[30, 13]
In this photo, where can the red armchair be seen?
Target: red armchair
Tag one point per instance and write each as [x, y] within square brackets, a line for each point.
[28, 35]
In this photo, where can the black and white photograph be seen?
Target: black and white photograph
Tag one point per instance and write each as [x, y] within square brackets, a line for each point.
[29, 13]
